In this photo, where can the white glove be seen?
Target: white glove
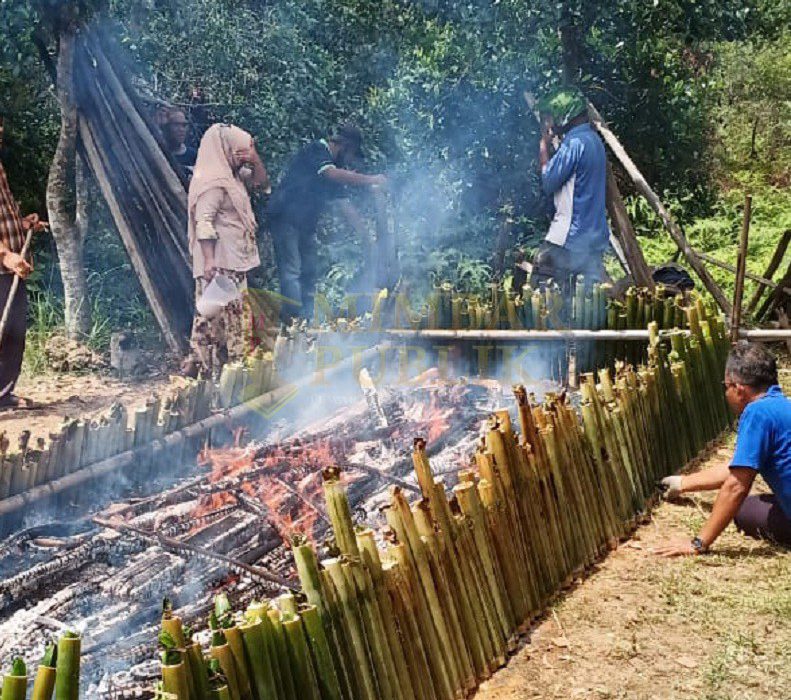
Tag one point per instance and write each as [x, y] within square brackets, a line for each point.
[671, 487]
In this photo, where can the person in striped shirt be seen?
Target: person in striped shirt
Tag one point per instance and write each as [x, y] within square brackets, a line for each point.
[13, 228]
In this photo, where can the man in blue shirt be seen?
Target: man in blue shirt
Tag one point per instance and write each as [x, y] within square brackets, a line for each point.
[763, 446]
[576, 177]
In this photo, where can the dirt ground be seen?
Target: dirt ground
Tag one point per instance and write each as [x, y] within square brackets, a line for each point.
[716, 627]
[72, 395]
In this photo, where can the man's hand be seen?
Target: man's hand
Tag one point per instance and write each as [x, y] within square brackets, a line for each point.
[32, 221]
[671, 487]
[676, 548]
[16, 264]
[209, 271]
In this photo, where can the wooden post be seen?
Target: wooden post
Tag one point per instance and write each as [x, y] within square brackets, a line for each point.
[741, 264]
[624, 231]
[656, 204]
[771, 268]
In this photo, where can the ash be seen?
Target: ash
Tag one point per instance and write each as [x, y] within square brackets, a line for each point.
[225, 526]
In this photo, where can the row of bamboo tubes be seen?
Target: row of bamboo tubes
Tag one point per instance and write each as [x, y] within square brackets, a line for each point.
[589, 306]
[431, 605]
[82, 442]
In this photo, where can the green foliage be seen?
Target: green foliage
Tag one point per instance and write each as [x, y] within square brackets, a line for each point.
[438, 89]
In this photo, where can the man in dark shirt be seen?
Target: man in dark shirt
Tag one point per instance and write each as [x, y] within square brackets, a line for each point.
[315, 175]
[175, 132]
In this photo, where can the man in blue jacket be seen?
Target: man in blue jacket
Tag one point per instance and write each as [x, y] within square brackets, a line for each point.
[576, 177]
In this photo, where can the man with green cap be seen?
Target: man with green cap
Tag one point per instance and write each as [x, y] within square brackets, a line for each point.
[575, 176]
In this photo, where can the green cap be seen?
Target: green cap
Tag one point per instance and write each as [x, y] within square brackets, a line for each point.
[563, 105]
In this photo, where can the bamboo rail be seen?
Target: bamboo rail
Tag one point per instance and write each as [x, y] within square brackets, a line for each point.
[432, 604]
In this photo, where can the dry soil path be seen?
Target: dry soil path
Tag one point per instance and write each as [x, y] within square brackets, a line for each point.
[59, 395]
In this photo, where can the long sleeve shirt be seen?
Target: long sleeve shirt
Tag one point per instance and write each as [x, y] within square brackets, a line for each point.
[12, 234]
[576, 176]
[216, 219]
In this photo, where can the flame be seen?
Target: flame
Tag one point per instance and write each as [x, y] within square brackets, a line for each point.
[212, 502]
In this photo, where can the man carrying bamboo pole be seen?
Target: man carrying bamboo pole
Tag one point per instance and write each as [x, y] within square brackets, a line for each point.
[13, 296]
[763, 446]
[576, 177]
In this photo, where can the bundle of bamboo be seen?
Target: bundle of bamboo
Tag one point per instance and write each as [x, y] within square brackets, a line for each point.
[437, 607]
[58, 672]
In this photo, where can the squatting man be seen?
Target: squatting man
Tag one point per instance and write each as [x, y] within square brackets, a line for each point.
[763, 446]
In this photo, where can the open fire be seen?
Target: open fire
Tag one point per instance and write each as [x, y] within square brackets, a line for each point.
[224, 529]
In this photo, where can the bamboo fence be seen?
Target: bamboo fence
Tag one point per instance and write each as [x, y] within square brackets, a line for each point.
[79, 443]
[432, 605]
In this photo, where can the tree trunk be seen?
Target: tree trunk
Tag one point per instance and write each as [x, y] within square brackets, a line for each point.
[62, 199]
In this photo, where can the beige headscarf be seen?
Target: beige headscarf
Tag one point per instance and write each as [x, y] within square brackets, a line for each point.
[215, 167]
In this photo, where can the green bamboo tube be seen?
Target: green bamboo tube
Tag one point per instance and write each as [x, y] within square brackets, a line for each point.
[172, 624]
[493, 513]
[604, 474]
[196, 670]
[443, 685]
[373, 564]
[287, 682]
[447, 594]
[234, 638]
[468, 604]
[323, 600]
[258, 660]
[287, 603]
[259, 612]
[577, 537]
[373, 631]
[15, 682]
[423, 571]
[299, 659]
[409, 631]
[469, 501]
[472, 621]
[224, 655]
[44, 683]
[67, 681]
[349, 608]
[323, 660]
[339, 512]
[174, 680]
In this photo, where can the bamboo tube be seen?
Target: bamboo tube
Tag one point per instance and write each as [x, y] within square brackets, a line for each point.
[288, 688]
[372, 627]
[234, 638]
[44, 683]
[349, 608]
[448, 596]
[409, 632]
[323, 599]
[405, 528]
[259, 612]
[258, 660]
[174, 680]
[441, 677]
[462, 585]
[372, 562]
[339, 512]
[469, 501]
[67, 679]
[15, 682]
[323, 660]
[196, 670]
[299, 659]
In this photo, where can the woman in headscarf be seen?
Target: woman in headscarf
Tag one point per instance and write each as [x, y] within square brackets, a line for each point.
[222, 229]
